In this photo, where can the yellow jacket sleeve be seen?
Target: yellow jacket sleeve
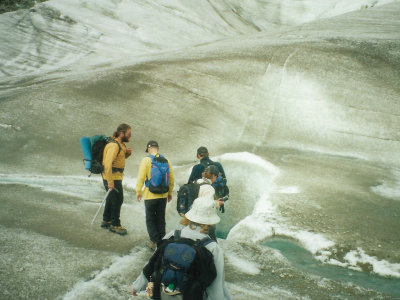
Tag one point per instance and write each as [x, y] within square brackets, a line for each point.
[110, 153]
[171, 180]
[144, 170]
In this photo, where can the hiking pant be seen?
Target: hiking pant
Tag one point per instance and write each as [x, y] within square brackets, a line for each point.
[155, 218]
[113, 205]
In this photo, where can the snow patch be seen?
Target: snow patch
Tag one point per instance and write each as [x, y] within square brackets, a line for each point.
[243, 265]
[81, 187]
[381, 267]
[102, 283]
[389, 188]
[250, 158]
[6, 126]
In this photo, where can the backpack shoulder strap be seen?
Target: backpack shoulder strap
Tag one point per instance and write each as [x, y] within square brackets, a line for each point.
[160, 158]
[196, 190]
[205, 241]
[204, 163]
[204, 264]
[177, 235]
[111, 140]
[207, 163]
[147, 180]
[178, 238]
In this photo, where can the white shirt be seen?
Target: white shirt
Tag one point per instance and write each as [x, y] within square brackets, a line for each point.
[206, 190]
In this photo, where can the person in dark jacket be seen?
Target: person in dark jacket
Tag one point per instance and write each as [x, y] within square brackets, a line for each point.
[205, 161]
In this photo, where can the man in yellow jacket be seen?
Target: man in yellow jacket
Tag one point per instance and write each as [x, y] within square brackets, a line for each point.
[114, 156]
[155, 203]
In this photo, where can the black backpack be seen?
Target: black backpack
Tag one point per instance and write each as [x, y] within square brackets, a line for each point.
[184, 265]
[186, 195]
[99, 142]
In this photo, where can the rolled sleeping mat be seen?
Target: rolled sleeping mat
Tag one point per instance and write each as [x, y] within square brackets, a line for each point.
[87, 151]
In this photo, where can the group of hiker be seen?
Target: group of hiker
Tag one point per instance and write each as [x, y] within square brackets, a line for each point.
[186, 263]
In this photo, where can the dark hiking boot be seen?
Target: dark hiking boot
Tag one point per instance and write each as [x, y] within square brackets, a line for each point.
[105, 224]
[118, 229]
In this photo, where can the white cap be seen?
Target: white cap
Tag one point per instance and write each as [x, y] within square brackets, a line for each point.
[203, 211]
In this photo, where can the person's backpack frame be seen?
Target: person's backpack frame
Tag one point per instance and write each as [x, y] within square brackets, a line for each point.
[187, 193]
[158, 183]
[220, 186]
[99, 142]
[203, 266]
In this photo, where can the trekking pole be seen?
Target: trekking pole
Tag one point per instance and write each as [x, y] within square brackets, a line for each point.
[101, 205]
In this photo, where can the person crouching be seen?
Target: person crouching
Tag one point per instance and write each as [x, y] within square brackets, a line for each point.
[198, 271]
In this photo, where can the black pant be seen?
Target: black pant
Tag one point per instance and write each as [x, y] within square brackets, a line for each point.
[113, 205]
[155, 218]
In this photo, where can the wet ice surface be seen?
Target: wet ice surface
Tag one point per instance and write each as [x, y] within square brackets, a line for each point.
[254, 214]
[57, 33]
[303, 116]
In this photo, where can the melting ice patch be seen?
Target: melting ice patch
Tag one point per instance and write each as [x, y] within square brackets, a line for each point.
[354, 258]
[382, 267]
[265, 214]
[389, 188]
[243, 265]
[257, 292]
[108, 281]
[266, 221]
[250, 158]
[81, 187]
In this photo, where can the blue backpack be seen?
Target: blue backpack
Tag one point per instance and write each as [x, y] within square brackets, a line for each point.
[221, 189]
[181, 266]
[159, 175]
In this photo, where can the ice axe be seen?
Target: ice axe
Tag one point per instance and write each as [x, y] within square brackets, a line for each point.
[101, 205]
[222, 207]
